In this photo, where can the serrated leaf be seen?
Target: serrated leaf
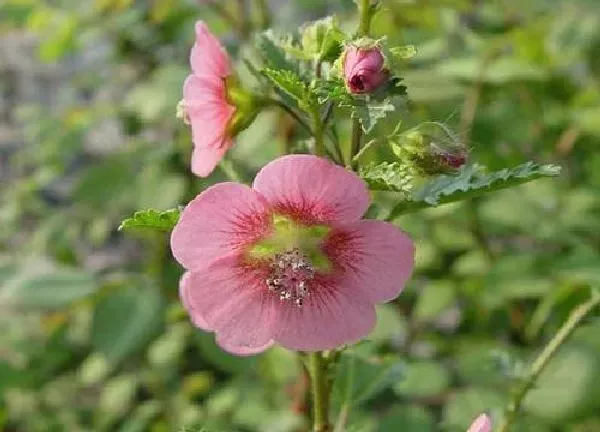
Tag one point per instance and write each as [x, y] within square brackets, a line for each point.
[471, 181]
[371, 112]
[271, 46]
[368, 109]
[388, 177]
[152, 219]
[292, 85]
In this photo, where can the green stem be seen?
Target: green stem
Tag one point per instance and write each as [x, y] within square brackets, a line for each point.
[318, 124]
[318, 133]
[356, 143]
[540, 363]
[364, 9]
[365, 18]
[320, 392]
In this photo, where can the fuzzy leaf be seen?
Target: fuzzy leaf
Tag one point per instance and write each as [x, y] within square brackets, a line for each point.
[388, 177]
[271, 46]
[371, 112]
[368, 109]
[152, 219]
[471, 181]
[292, 85]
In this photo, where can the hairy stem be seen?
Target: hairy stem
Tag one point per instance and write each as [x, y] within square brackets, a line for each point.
[364, 9]
[365, 18]
[320, 392]
[356, 143]
[540, 363]
[318, 133]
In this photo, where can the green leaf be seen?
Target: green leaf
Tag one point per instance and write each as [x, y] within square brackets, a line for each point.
[292, 85]
[404, 52]
[471, 181]
[371, 112]
[411, 418]
[271, 46]
[155, 220]
[388, 177]
[567, 389]
[322, 39]
[435, 297]
[125, 320]
[465, 405]
[41, 284]
[423, 379]
[368, 109]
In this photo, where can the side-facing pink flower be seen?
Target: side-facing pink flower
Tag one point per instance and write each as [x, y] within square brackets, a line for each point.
[483, 423]
[205, 101]
[364, 68]
[288, 261]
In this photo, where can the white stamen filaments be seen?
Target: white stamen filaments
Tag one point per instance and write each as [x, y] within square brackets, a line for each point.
[291, 272]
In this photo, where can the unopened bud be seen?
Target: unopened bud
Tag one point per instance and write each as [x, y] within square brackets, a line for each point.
[364, 68]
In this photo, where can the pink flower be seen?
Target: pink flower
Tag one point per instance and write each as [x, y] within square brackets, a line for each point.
[364, 69]
[288, 261]
[483, 423]
[205, 103]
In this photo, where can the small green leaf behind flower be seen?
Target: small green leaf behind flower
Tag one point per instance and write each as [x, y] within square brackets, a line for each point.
[155, 220]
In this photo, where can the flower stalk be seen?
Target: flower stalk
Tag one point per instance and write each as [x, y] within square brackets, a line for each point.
[363, 31]
[540, 363]
[320, 391]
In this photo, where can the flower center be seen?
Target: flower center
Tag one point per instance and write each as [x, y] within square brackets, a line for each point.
[291, 273]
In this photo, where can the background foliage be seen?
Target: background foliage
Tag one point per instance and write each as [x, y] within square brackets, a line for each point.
[92, 335]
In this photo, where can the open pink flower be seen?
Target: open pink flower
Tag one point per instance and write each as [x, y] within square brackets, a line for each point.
[288, 261]
[205, 102]
[483, 423]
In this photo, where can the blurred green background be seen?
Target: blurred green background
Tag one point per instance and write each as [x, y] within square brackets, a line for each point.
[92, 335]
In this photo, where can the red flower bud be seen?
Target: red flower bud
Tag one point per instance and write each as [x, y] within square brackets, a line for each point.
[454, 160]
[364, 69]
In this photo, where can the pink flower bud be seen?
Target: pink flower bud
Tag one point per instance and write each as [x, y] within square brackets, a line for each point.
[454, 160]
[364, 69]
[483, 423]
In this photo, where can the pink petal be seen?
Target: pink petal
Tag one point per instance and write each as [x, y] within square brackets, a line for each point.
[483, 423]
[207, 110]
[235, 302]
[208, 56]
[312, 189]
[243, 350]
[223, 219]
[328, 319]
[205, 159]
[373, 258]
[196, 318]
[351, 57]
